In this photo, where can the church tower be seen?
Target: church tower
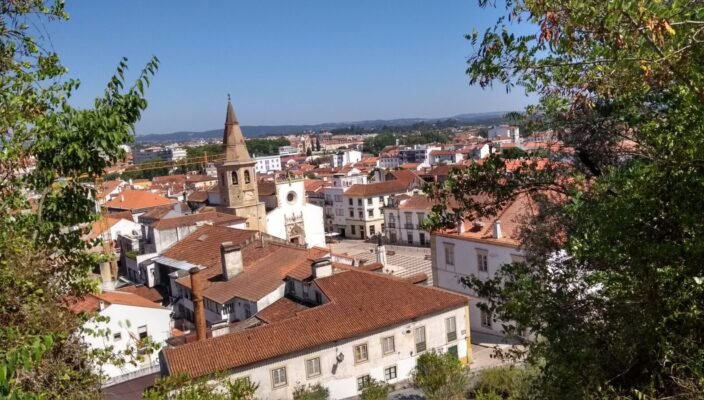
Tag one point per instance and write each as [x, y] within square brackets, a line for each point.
[237, 177]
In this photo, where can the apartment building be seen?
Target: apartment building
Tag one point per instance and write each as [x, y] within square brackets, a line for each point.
[337, 328]
[403, 217]
[335, 206]
[479, 248]
[365, 204]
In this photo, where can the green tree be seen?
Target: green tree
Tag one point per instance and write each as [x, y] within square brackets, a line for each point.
[46, 211]
[181, 387]
[376, 390]
[440, 376]
[377, 143]
[311, 392]
[309, 151]
[512, 153]
[317, 143]
[613, 287]
[266, 147]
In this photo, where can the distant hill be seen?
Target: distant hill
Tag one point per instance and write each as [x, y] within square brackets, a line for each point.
[265, 130]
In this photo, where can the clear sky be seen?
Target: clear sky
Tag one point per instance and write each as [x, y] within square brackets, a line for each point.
[284, 62]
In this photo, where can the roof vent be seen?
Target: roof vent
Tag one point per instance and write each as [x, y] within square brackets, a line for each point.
[202, 238]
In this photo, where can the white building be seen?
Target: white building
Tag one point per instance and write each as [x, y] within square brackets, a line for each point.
[132, 319]
[417, 154]
[339, 330]
[266, 164]
[479, 249]
[175, 153]
[445, 157]
[335, 208]
[403, 217]
[289, 216]
[505, 132]
[287, 150]
[344, 157]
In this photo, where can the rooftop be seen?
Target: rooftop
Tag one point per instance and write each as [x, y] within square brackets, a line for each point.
[378, 189]
[359, 303]
[209, 217]
[137, 200]
[91, 302]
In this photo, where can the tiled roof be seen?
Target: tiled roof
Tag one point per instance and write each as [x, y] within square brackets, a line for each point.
[360, 303]
[377, 189]
[280, 310]
[161, 211]
[410, 165]
[107, 187]
[102, 225]
[314, 185]
[417, 202]
[137, 200]
[198, 196]
[443, 152]
[266, 188]
[91, 302]
[202, 247]
[212, 217]
[264, 270]
[148, 293]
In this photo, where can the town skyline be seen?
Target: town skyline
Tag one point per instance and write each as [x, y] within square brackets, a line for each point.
[283, 65]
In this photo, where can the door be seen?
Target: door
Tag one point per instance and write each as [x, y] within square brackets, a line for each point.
[453, 350]
[342, 232]
[422, 239]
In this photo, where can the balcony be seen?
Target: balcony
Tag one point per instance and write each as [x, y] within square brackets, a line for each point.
[391, 225]
[408, 225]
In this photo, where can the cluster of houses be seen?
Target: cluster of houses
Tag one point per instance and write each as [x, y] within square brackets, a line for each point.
[231, 273]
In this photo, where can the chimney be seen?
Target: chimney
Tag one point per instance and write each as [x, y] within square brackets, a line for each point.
[231, 258]
[322, 267]
[198, 308]
[497, 230]
[122, 198]
[101, 305]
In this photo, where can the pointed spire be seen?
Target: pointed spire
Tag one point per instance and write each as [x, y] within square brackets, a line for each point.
[233, 140]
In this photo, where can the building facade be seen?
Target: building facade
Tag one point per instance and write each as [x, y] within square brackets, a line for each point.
[266, 164]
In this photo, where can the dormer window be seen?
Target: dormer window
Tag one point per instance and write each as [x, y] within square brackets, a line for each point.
[246, 176]
[234, 178]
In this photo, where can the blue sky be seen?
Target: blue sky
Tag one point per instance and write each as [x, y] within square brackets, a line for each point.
[284, 62]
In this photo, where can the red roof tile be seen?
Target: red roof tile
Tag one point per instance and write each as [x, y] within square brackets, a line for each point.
[137, 200]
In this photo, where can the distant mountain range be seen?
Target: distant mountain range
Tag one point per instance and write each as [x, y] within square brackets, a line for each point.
[265, 130]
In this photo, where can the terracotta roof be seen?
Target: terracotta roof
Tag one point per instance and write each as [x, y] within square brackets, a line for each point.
[264, 270]
[107, 187]
[443, 152]
[280, 310]
[198, 196]
[266, 188]
[313, 185]
[212, 217]
[202, 247]
[148, 293]
[416, 278]
[410, 165]
[102, 225]
[377, 189]
[160, 212]
[360, 303]
[137, 200]
[371, 267]
[417, 202]
[91, 302]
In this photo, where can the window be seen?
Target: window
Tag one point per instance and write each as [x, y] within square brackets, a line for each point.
[451, 329]
[116, 337]
[421, 217]
[363, 381]
[338, 198]
[361, 214]
[371, 230]
[313, 367]
[339, 212]
[360, 353]
[390, 373]
[387, 345]
[246, 176]
[318, 298]
[420, 339]
[381, 199]
[234, 177]
[359, 202]
[247, 310]
[278, 377]
[482, 264]
[409, 236]
[352, 227]
[370, 212]
[369, 201]
[222, 180]
[486, 319]
[351, 213]
[449, 254]
[142, 330]
[350, 201]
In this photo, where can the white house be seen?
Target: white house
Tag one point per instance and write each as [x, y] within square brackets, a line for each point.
[132, 319]
[265, 164]
[352, 326]
[445, 157]
[335, 206]
[344, 157]
[479, 248]
[505, 132]
[403, 217]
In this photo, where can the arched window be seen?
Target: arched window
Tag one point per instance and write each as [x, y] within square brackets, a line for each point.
[234, 177]
[246, 176]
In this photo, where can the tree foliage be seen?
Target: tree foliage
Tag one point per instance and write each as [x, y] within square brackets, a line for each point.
[613, 285]
[440, 376]
[375, 390]
[182, 387]
[45, 208]
[311, 392]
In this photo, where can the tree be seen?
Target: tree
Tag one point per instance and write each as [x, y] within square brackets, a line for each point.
[46, 211]
[311, 392]
[377, 143]
[375, 390]
[181, 387]
[612, 287]
[309, 151]
[317, 143]
[512, 153]
[440, 376]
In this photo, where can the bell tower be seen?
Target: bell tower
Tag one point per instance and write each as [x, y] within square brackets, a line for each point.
[237, 178]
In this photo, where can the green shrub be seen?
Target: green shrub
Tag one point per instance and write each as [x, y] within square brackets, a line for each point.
[376, 390]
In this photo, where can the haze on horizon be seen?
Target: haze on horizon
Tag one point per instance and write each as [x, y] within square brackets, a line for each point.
[284, 63]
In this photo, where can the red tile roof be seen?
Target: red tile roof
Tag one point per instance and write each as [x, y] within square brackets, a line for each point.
[210, 217]
[202, 247]
[280, 310]
[377, 189]
[360, 303]
[148, 293]
[137, 200]
[101, 226]
[91, 302]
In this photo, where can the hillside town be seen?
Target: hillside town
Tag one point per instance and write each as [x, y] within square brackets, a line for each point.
[293, 268]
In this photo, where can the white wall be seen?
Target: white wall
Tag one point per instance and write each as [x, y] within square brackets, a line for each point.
[310, 215]
[465, 253]
[126, 320]
[343, 383]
